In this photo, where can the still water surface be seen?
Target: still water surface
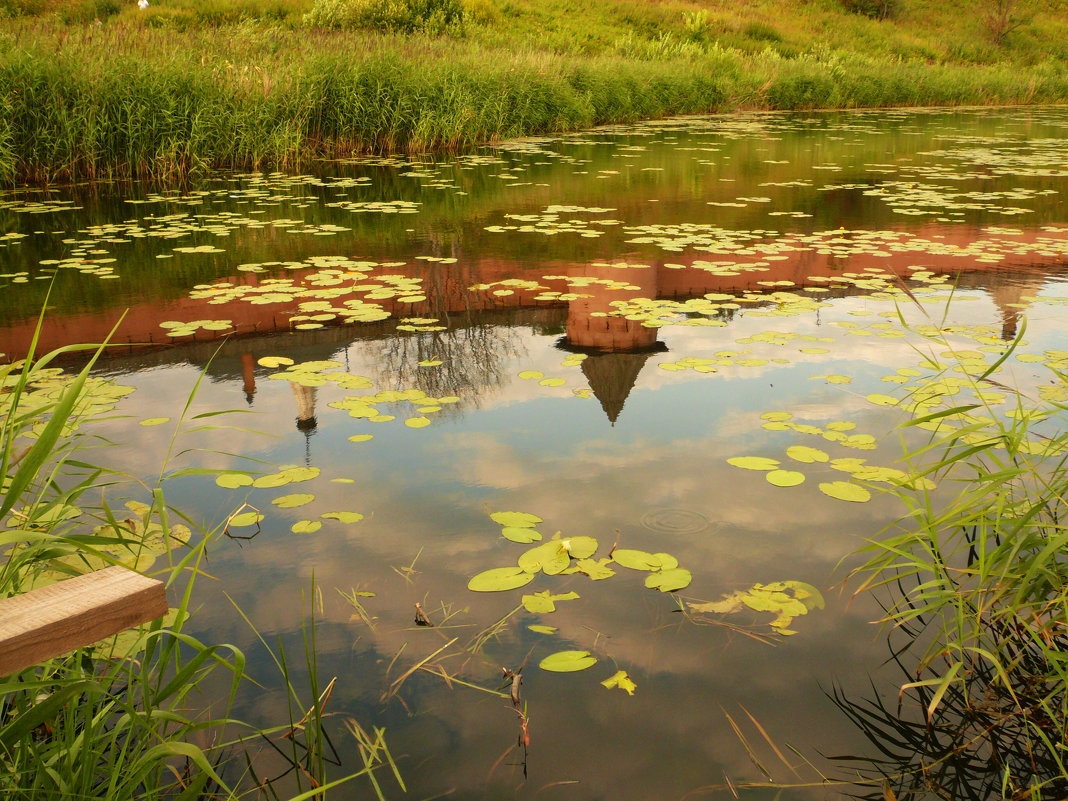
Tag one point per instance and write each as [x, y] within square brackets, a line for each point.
[583, 328]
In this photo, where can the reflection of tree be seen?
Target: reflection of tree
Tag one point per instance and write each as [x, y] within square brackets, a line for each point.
[472, 360]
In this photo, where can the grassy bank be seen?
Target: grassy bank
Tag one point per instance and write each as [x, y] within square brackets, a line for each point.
[131, 100]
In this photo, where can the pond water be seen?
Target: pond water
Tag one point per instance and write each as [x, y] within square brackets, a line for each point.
[586, 329]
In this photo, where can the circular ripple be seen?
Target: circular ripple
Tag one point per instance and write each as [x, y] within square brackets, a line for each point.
[675, 521]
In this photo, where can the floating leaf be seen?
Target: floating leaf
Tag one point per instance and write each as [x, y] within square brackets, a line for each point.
[667, 561]
[544, 602]
[361, 437]
[274, 362]
[543, 629]
[155, 421]
[293, 501]
[531, 375]
[499, 579]
[515, 519]
[567, 661]
[580, 547]
[521, 535]
[669, 580]
[882, 400]
[785, 478]
[551, 557]
[342, 517]
[233, 480]
[306, 527]
[417, 422]
[596, 569]
[622, 681]
[271, 480]
[845, 491]
[803, 453]
[635, 560]
[552, 382]
[245, 519]
[753, 462]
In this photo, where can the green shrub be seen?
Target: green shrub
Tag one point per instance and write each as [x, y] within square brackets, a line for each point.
[762, 32]
[434, 17]
[875, 9]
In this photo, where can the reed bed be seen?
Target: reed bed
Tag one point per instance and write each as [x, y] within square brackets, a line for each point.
[131, 101]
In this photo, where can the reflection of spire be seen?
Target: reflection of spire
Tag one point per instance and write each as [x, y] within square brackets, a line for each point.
[611, 377]
[1009, 298]
[248, 373]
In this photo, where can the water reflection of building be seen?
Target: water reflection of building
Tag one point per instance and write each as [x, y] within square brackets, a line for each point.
[1012, 296]
[616, 348]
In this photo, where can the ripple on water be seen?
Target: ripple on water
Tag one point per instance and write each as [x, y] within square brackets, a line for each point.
[675, 521]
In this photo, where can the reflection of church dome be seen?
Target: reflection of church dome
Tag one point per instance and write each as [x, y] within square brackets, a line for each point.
[611, 377]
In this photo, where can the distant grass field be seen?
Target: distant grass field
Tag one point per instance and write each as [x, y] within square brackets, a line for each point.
[95, 89]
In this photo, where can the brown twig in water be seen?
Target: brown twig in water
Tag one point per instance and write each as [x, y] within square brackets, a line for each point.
[421, 618]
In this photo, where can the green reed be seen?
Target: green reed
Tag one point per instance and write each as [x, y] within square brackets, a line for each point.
[126, 100]
[979, 577]
[129, 717]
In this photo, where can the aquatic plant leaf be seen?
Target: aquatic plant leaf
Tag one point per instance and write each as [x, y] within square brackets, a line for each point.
[297, 474]
[753, 462]
[361, 437]
[785, 478]
[622, 681]
[154, 421]
[271, 480]
[515, 519]
[531, 375]
[882, 400]
[551, 557]
[667, 561]
[596, 569]
[805, 454]
[342, 517]
[669, 580]
[306, 527]
[274, 362]
[544, 602]
[500, 579]
[845, 491]
[542, 629]
[233, 480]
[417, 422]
[567, 661]
[293, 501]
[635, 560]
[520, 535]
[245, 519]
[580, 547]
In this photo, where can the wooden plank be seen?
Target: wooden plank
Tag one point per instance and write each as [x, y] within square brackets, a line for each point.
[57, 619]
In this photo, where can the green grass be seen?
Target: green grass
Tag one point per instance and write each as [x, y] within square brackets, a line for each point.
[128, 100]
[125, 718]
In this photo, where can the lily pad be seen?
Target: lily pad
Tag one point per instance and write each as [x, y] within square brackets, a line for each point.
[342, 517]
[567, 661]
[785, 478]
[551, 557]
[803, 453]
[581, 547]
[306, 527]
[622, 681]
[500, 579]
[245, 519]
[293, 501]
[635, 560]
[515, 519]
[596, 569]
[753, 462]
[233, 480]
[845, 491]
[155, 421]
[543, 629]
[669, 580]
[521, 535]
